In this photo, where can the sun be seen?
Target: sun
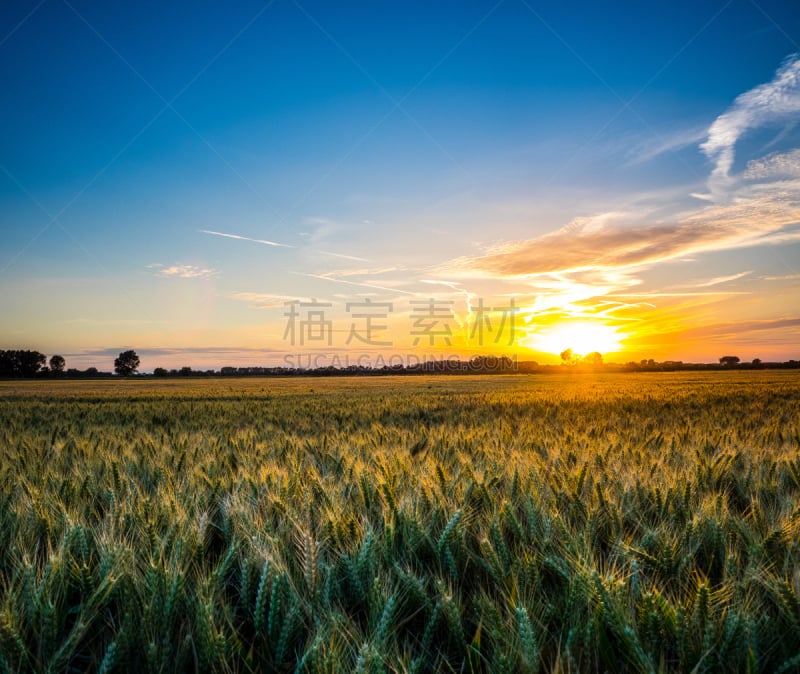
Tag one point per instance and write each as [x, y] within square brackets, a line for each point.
[581, 336]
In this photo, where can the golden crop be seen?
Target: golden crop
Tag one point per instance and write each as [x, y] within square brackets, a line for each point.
[640, 522]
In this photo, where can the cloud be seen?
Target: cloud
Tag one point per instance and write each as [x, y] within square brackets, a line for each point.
[769, 103]
[774, 166]
[613, 244]
[654, 147]
[785, 277]
[267, 242]
[166, 351]
[183, 271]
[246, 238]
[373, 286]
[708, 293]
[739, 329]
[344, 257]
[716, 280]
[264, 300]
[455, 287]
[361, 271]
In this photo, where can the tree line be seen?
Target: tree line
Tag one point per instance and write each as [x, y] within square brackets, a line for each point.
[24, 363]
[21, 363]
[27, 363]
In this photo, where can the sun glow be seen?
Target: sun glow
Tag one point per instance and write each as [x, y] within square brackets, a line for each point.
[582, 337]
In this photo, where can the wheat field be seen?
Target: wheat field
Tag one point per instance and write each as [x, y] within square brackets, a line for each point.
[636, 523]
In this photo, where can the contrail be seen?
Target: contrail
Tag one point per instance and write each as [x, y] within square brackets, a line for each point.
[353, 283]
[346, 257]
[246, 238]
[279, 245]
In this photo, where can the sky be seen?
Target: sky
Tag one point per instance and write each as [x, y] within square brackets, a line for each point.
[296, 182]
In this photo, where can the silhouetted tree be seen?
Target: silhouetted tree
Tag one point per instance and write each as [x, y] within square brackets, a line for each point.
[756, 362]
[566, 355]
[6, 364]
[57, 364]
[185, 371]
[19, 363]
[126, 363]
[160, 372]
[729, 361]
[30, 362]
[594, 358]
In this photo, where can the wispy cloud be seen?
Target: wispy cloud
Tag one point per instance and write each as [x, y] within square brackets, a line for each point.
[343, 256]
[717, 280]
[615, 245]
[455, 286]
[183, 270]
[774, 166]
[738, 329]
[373, 286]
[654, 147]
[659, 293]
[264, 300]
[361, 271]
[162, 351]
[785, 277]
[769, 103]
[266, 242]
[246, 238]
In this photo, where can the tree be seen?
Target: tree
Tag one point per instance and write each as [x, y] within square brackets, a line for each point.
[729, 361]
[19, 363]
[30, 362]
[566, 355]
[160, 372]
[593, 358]
[57, 364]
[127, 363]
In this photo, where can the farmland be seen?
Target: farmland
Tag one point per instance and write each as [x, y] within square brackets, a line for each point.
[642, 523]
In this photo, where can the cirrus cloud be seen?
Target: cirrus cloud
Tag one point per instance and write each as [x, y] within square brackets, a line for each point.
[619, 245]
[775, 101]
[774, 166]
[265, 300]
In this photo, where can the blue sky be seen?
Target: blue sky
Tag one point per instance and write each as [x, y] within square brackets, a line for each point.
[604, 165]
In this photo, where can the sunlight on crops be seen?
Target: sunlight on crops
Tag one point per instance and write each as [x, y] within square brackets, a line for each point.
[498, 524]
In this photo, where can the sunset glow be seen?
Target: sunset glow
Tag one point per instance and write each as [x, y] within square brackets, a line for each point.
[582, 337]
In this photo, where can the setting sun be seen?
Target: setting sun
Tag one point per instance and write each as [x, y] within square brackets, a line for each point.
[581, 336]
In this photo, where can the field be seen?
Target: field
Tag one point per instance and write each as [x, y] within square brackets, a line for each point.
[641, 523]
